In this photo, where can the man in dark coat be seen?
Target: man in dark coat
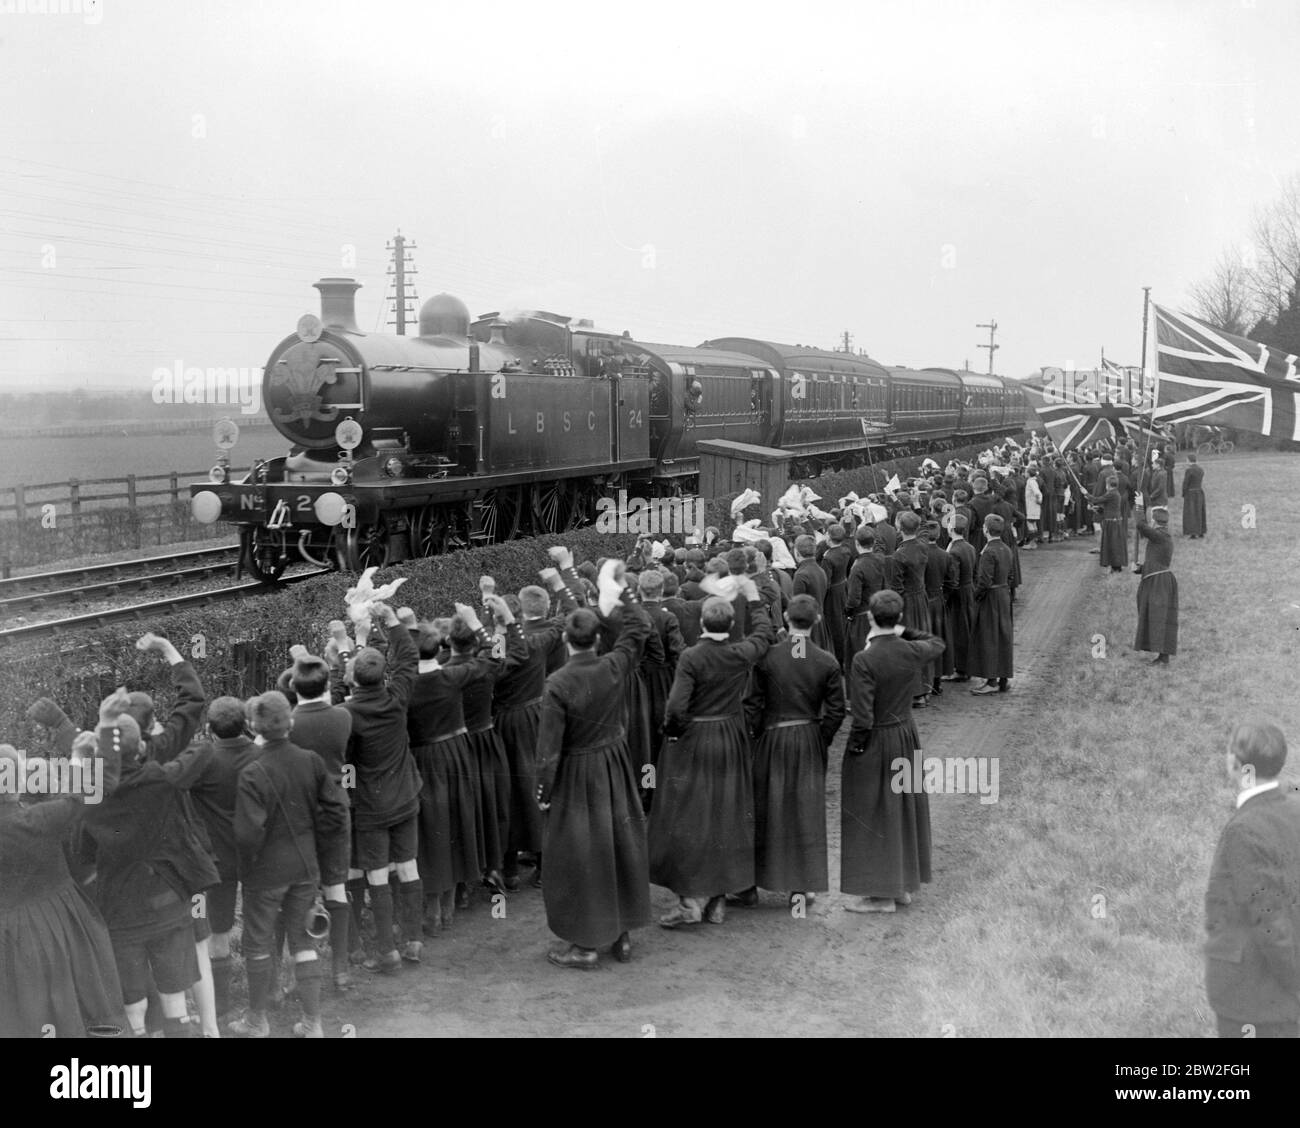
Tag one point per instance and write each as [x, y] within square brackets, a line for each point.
[960, 603]
[810, 579]
[288, 810]
[1193, 499]
[597, 887]
[1252, 904]
[1114, 543]
[885, 830]
[1157, 594]
[871, 572]
[835, 563]
[992, 637]
[797, 707]
[702, 823]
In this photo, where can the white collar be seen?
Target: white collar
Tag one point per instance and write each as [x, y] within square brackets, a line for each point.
[882, 632]
[428, 665]
[1251, 792]
[717, 636]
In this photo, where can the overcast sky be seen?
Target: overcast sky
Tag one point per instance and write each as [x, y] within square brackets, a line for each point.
[174, 176]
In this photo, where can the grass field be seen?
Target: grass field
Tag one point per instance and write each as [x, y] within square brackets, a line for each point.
[1084, 913]
[31, 461]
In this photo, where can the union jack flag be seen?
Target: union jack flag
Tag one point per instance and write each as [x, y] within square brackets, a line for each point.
[1074, 425]
[1124, 385]
[1219, 378]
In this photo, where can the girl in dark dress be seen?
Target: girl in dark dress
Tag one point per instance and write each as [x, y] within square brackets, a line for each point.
[1193, 500]
[57, 972]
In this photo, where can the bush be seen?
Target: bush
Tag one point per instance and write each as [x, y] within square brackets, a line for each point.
[239, 648]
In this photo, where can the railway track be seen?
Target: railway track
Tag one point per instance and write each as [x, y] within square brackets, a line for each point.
[98, 581]
[140, 611]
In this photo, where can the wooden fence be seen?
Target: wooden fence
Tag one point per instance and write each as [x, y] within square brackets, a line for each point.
[75, 497]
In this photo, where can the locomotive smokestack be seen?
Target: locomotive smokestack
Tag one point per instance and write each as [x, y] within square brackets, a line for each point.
[338, 307]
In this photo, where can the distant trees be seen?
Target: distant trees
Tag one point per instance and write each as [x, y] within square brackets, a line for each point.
[1253, 289]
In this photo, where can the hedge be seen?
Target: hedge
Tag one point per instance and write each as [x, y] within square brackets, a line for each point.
[240, 648]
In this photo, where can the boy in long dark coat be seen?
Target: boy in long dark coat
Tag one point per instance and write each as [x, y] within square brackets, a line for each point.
[1114, 542]
[871, 572]
[937, 565]
[702, 822]
[658, 667]
[909, 581]
[1157, 594]
[991, 652]
[810, 579]
[597, 886]
[799, 696]
[885, 833]
[960, 605]
[1193, 499]
[835, 563]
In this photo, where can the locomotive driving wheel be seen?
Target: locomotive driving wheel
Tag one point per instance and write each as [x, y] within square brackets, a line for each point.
[495, 516]
[557, 506]
[362, 546]
[265, 552]
[436, 529]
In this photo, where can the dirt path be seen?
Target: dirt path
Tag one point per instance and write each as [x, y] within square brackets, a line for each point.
[763, 973]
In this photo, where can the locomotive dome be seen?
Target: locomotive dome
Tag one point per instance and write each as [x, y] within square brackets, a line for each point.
[444, 316]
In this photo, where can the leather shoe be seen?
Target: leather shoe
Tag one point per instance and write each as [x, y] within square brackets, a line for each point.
[746, 898]
[680, 915]
[985, 689]
[622, 949]
[871, 905]
[387, 964]
[937, 689]
[715, 912]
[584, 959]
[905, 899]
[494, 881]
[411, 951]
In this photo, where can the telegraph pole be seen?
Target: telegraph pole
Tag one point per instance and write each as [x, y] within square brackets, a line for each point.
[992, 326]
[401, 271]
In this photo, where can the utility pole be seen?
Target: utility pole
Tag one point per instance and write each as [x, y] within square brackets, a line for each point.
[848, 342]
[992, 326]
[401, 271]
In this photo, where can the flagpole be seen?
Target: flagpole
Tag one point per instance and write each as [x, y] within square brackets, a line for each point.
[1146, 461]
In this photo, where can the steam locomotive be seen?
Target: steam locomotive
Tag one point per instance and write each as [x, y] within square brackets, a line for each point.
[476, 430]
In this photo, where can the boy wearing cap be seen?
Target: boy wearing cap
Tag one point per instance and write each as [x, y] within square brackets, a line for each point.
[287, 809]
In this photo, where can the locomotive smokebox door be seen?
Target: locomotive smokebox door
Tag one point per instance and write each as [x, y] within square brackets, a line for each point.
[631, 391]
